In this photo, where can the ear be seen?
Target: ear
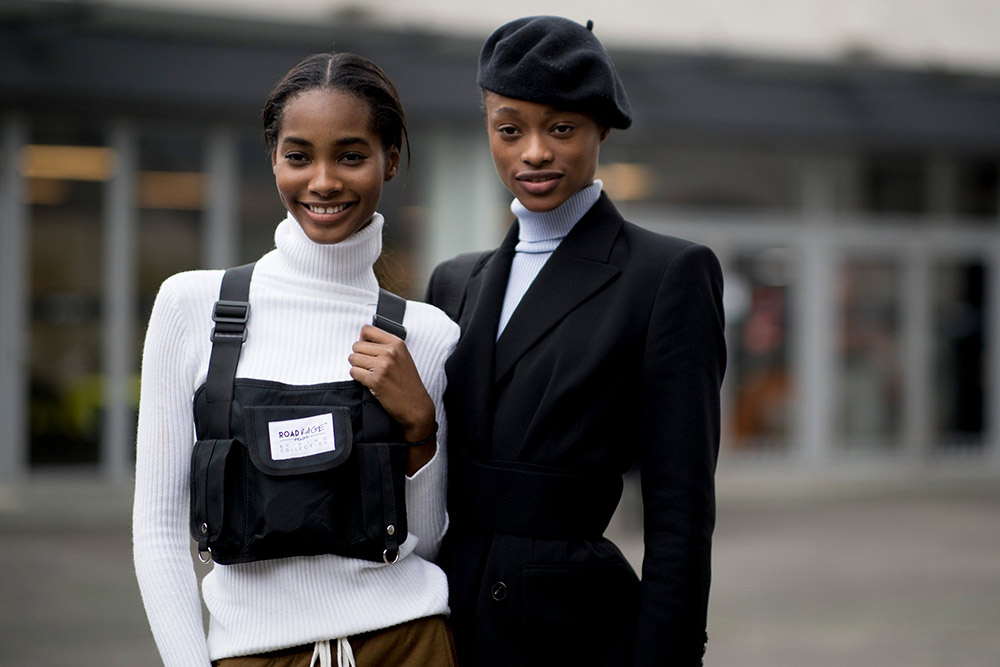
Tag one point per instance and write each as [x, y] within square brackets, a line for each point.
[274, 160]
[605, 131]
[391, 163]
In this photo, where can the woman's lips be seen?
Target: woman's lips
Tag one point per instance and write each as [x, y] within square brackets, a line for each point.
[326, 209]
[538, 182]
[327, 213]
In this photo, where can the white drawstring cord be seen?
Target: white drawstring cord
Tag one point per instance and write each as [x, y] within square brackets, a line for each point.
[345, 654]
[322, 651]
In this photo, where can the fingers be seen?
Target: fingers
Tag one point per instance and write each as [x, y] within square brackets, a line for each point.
[363, 375]
[379, 359]
[375, 335]
[381, 362]
[369, 359]
[368, 370]
[373, 344]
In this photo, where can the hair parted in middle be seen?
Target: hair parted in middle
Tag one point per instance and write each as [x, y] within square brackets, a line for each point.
[347, 72]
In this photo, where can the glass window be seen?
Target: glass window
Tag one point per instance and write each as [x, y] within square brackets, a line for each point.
[959, 336]
[65, 167]
[757, 314]
[894, 184]
[703, 177]
[978, 186]
[869, 410]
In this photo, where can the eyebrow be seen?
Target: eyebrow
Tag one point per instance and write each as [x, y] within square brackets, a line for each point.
[549, 111]
[510, 110]
[345, 141]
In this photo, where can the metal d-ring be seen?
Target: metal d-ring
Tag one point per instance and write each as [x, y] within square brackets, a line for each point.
[385, 557]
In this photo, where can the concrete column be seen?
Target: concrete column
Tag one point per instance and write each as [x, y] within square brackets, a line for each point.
[14, 249]
[120, 296]
[220, 239]
[813, 334]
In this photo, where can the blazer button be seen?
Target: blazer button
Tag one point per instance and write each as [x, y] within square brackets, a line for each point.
[499, 591]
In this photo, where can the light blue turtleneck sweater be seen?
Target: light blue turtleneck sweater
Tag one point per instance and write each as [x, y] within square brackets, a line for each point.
[539, 234]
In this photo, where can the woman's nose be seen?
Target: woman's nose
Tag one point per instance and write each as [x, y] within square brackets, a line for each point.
[325, 181]
[536, 151]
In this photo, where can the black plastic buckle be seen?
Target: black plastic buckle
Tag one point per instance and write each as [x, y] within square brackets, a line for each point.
[232, 316]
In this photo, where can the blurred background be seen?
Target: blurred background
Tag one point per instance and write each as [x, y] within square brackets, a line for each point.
[841, 158]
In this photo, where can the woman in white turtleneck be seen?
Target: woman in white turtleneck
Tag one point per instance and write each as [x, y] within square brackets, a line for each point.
[334, 140]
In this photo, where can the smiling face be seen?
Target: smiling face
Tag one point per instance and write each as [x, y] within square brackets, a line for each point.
[543, 155]
[329, 166]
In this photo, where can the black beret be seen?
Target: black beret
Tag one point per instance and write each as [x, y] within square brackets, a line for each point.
[554, 61]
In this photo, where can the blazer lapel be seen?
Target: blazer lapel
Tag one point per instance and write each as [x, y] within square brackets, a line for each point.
[470, 367]
[577, 269]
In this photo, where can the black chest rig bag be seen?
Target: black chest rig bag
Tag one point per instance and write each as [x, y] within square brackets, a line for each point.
[284, 470]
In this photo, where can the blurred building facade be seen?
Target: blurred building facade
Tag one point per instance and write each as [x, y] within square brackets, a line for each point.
[855, 208]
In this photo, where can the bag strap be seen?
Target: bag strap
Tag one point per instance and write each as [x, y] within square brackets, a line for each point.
[230, 315]
[391, 517]
[389, 313]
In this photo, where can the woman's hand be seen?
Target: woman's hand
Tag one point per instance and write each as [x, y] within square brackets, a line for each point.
[381, 362]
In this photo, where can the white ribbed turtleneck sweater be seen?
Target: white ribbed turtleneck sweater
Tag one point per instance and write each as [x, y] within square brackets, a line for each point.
[309, 302]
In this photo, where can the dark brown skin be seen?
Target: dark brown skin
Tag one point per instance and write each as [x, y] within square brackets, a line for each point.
[381, 362]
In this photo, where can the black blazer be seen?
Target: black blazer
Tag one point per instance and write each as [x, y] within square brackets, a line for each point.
[613, 359]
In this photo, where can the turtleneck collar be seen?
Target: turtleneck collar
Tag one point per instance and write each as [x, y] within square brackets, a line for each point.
[348, 263]
[537, 230]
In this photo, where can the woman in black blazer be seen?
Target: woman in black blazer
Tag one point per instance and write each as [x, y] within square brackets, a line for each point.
[589, 346]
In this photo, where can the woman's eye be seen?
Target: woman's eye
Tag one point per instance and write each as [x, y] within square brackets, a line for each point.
[296, 158]
[562, 129]
[507, 130]
[353, 158]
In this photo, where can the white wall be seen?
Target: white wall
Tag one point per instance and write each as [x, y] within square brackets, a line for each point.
[954, 33]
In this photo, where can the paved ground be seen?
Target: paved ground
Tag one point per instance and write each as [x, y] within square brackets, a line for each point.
[810, 571]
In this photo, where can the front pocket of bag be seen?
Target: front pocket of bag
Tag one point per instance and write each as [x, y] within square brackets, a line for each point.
[300, 502]
[298, 439]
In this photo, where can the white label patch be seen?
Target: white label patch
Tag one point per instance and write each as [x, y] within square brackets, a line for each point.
[295, 438]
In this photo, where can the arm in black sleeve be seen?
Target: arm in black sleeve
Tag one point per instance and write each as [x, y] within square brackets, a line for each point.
[685, 359]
